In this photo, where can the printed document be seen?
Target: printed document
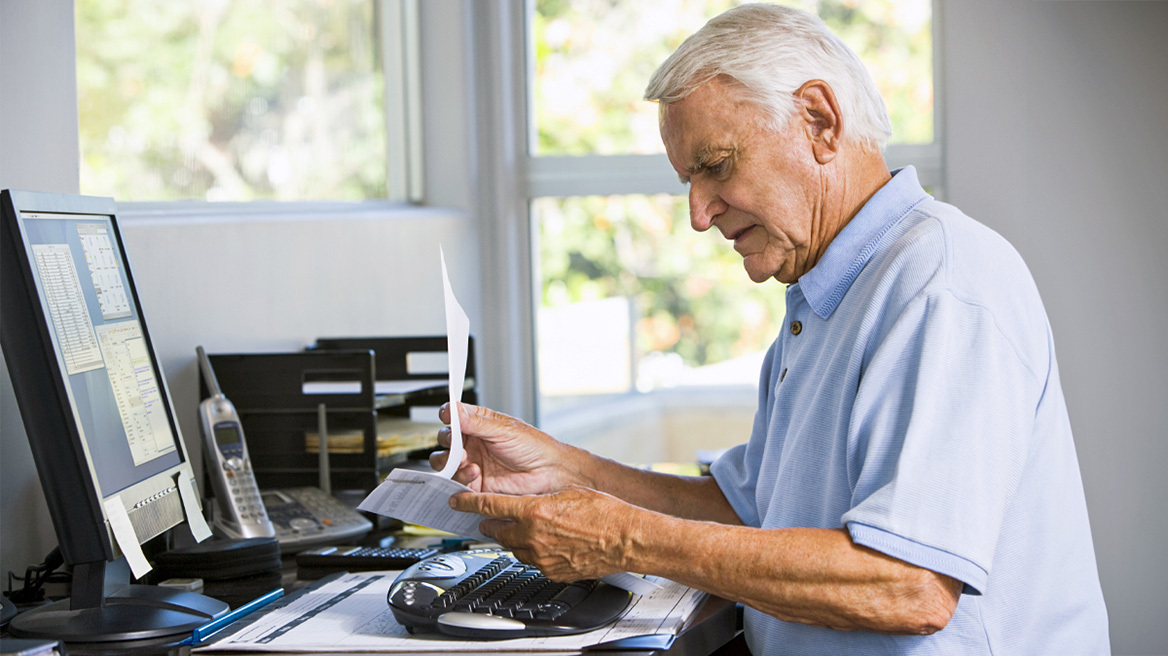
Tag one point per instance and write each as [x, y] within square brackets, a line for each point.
[423, 498]
[350, 614]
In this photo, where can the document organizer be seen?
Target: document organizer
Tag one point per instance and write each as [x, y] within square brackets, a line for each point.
[278, 397]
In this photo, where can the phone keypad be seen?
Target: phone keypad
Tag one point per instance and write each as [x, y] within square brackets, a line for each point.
[244, 494]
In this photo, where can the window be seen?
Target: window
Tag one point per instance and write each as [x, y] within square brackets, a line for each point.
[284, 100]
[635, 311]
[632, 299]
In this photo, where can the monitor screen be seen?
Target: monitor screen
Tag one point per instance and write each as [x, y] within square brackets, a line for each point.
[112, 382]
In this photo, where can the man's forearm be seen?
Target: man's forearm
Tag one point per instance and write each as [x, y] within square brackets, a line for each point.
[683, 528]
[687, 497]
[810, 576]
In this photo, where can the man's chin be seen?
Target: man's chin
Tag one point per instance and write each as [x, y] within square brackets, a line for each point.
[757, 275]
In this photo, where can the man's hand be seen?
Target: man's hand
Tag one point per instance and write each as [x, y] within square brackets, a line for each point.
[505, 455]
[576, 533]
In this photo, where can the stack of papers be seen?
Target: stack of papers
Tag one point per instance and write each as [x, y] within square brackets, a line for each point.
[394, 435]
[350, 614]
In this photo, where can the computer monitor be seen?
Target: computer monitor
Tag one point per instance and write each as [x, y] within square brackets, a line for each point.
[97, 412]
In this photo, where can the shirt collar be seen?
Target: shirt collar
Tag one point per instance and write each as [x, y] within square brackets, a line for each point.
[826, 283]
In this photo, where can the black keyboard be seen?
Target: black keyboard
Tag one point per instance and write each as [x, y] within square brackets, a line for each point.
[321, 561]
[487, 593]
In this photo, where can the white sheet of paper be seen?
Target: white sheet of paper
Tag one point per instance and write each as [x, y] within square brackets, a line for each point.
[631, 582]
[380, 387]
[457, 344]
[127, 540]
[423, 498]
[349, 614]
[195, 520]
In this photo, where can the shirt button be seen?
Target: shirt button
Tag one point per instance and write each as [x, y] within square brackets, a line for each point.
[796, 327]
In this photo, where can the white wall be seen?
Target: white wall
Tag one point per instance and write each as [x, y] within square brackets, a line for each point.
[1057, 138]
[38, 151]
[275, 284]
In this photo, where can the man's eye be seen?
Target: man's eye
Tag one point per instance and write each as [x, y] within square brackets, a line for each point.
[718, 168]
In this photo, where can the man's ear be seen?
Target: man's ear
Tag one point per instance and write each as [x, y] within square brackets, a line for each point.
[822, 120]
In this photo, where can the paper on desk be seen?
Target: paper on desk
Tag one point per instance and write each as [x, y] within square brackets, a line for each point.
[349, 614]
[631, 582]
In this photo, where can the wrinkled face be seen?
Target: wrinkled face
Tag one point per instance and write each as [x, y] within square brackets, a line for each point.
[759, 187]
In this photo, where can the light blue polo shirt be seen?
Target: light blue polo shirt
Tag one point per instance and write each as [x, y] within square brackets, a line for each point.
[913, 397]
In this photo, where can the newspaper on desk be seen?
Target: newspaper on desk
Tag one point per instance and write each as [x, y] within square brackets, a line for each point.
[349, 614]
[423, 497]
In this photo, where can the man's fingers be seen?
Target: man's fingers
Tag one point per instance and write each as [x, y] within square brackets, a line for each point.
[499, 530]
[480, 422]
[444, 412]
[502, 506]
[468, 474]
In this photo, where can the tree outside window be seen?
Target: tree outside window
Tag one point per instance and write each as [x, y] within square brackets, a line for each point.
[237, 101]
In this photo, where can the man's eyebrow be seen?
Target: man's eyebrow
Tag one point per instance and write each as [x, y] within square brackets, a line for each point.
[701, 160]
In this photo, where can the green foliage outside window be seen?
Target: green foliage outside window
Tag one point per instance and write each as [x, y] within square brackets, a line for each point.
[593, 59]
[230, 100]
[690, 292]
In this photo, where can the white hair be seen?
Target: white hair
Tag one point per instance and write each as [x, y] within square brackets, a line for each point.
[771, 51]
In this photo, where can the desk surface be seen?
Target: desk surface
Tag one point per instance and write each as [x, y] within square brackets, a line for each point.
[714, 624]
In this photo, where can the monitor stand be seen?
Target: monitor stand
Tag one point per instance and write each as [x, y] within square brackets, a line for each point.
[103, 611]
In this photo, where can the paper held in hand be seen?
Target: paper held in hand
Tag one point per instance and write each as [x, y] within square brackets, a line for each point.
[423, 497]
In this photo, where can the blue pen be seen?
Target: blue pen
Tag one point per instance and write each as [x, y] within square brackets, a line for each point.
[203, 632]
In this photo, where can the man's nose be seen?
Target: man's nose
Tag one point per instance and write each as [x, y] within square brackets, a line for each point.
[704, 205]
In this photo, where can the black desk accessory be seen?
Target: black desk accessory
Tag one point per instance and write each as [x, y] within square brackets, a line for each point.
[315, 563]
[215, 559]
[7, 611]
[279, 397]
[488, 594]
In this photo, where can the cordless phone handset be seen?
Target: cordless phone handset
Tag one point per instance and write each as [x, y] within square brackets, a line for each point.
[241, 512]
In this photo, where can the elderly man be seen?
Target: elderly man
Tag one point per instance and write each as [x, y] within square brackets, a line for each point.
[911, 482]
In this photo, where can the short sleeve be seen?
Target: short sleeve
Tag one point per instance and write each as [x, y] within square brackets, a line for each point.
[736, 471]
[939, 436]
[737, 482]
